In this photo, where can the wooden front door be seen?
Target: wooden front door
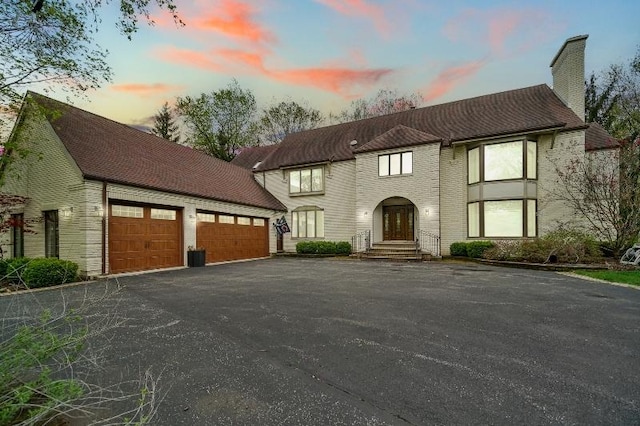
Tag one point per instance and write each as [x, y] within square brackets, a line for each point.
[397, 222]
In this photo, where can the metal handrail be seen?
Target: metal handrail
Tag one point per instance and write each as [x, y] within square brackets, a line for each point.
[428, 241]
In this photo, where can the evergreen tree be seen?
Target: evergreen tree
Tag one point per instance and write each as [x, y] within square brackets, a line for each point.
[164, 125]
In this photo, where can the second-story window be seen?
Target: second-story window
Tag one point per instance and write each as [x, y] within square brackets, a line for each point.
[395, 164]
[306, 181]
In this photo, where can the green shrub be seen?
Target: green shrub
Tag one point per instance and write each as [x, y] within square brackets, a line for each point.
[475, 249]
[458, 249]
[46, 272]
[305, 247]
[323, 247]
[15, 269]
[343, 248]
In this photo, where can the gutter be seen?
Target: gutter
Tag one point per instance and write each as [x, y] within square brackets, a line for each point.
[105, 212]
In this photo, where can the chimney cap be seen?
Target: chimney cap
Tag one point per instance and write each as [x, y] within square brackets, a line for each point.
[569, 40]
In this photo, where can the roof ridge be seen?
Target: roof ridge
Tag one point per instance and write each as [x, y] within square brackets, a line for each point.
[126, 126]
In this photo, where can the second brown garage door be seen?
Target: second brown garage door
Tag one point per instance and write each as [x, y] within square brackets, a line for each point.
[144, 237]
[230, 237]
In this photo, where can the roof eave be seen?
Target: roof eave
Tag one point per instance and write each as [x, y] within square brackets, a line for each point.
[532, 131]
[282, 207]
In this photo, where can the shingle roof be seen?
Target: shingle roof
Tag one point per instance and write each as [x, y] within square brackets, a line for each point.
[597, 137]
[515, 111]
[251, 156]
[109, 151]
[398, 137]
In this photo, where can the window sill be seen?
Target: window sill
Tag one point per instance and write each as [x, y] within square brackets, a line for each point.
[395, 176]
[304, 194]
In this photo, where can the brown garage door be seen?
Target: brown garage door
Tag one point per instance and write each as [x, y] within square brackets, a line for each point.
[144, 237]
[229, 237]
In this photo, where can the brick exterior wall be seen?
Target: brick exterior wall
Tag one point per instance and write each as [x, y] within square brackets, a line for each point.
[568, 74]
[553, 212]
[453, 181]
[422, 188]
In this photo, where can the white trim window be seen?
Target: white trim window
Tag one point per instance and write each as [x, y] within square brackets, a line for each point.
[307, 223]
[395, 164]
[306, 181]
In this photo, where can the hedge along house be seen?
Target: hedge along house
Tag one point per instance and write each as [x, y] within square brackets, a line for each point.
[480, 168]
[115, 199]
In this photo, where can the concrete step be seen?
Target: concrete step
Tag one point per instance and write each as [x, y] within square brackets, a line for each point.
[392, 257]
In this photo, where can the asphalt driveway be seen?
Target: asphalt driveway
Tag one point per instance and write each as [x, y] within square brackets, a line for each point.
[317, 342]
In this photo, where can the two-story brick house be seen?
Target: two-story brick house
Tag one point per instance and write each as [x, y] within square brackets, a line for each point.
[115, 199]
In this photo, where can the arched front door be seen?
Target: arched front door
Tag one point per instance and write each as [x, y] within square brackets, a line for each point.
[397, 222]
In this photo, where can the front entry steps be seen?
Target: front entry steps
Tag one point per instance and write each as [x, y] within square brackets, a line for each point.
[394, 250]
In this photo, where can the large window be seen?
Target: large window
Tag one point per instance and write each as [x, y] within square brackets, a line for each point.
[502, 161]
[501, 192]
[307, 223]
[306, 181]
[395, 164]
[502, 219]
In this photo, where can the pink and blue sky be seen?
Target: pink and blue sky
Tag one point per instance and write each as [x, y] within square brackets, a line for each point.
[330, 52]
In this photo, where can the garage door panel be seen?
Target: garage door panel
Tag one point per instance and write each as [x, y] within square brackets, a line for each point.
[225, 241]
[140, 243]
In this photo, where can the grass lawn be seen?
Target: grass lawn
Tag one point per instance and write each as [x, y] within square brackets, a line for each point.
[626, 277]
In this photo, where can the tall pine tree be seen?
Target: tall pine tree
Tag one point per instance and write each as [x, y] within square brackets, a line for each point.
[164, 125]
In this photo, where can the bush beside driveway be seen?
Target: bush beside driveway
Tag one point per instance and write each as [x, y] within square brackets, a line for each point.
[326, 341]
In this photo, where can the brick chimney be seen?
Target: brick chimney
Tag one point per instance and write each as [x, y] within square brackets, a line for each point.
[567, 69]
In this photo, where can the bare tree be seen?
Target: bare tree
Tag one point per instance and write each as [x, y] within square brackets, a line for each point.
[386, 101]
[613, 99]
[604, 189]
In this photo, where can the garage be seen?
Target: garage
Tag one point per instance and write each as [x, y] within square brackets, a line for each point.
[144, 237]
[231, 237]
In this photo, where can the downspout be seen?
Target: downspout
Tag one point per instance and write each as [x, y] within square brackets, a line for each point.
[105, 212]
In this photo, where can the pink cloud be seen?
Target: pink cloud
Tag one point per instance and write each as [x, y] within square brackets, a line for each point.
[449, 78]
[337, 79]
[341, 81]
[235, 19]
[188, 57]
[503, 30]
[235, 57]
[142, 89]
[361, 8]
